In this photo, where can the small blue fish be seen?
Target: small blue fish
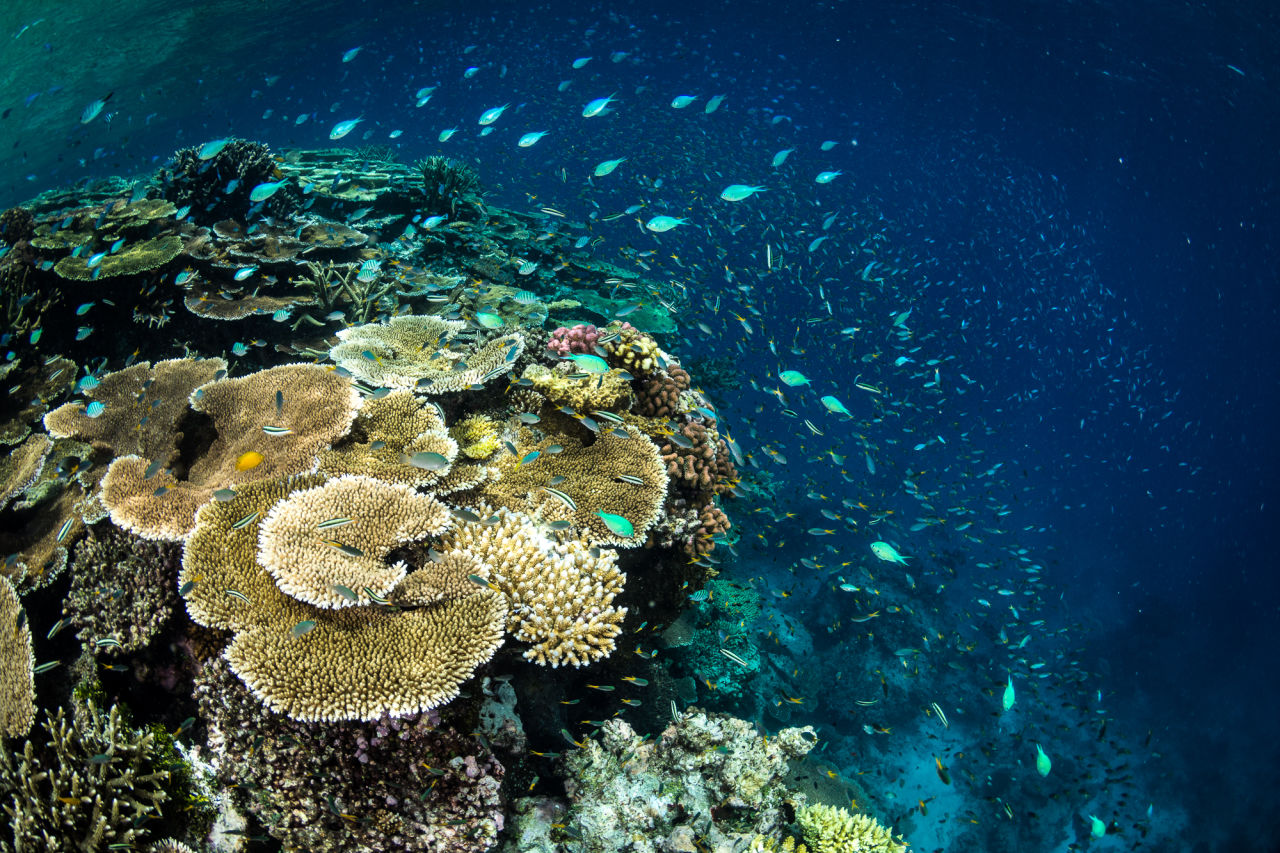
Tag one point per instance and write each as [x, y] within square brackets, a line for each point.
[530, 139]
[95, 408]
[245, 272]
[827, 177]
[83, 308]
[239, 349]
[83, 332]
[210, 149]
[264, 191]
[659, 224]
[352, 53]
[599, 106]
[491, 115]
[342, 128]
[604, 167]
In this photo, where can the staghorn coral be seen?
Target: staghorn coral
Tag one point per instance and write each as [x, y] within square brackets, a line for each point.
[828, 829]
[353, 663]
[307, 560]
[561, 593]
[313, 406]
[89, 784]
[201, 185]
[407, 784]
[122, 588]
[387, 431]
[417, 351]
[709, 774]
[445, 183]
[17, 685]
[591, 478]
[588, 392]
[142, 406]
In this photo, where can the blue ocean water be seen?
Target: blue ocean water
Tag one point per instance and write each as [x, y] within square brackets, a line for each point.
[1046, 297]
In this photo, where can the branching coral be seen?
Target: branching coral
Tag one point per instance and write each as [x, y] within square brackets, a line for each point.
[618, 476]
[709, 773]
[388, 434]
[17, 687]
[446, 183]
[827, 829]
[122, 589]
[141, 407]
[202, 184]
[417, 351]
[89, 784]
[408, 784]
[561, 593]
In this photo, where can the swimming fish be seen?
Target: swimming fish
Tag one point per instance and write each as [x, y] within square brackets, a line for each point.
[888, 553]
[793, 378]
[531, 138]
[599, 106]
[835, 406]
[264, 191]
[659, 224]
[781, 157]
[446, 134]
[827, 177]
[1097, 828]
[607, 166]
[1009, 697]
[737, 192]
[492, 114]
[210, 149]
[617, 525]
[682, 101]
[342, 128]
[1043, 764]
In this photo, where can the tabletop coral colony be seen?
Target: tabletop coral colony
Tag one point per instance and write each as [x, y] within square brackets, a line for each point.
[396, 527]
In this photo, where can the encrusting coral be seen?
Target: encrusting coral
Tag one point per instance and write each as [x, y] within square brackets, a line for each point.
[17, 688]
[271, 423]
[89, 784]
[314, 663]
[339, 533]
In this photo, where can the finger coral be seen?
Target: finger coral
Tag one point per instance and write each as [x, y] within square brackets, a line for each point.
[339, 534]
[561, 593]
[828, 829]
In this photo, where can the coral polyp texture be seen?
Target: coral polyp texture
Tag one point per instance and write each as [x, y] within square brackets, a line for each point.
[17, 687]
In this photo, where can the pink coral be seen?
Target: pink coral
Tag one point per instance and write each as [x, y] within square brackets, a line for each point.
[581, 338]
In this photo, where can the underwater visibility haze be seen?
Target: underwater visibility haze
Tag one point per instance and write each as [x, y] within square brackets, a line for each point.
[557, 427]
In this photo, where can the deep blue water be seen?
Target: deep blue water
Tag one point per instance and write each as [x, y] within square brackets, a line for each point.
[1086, 196]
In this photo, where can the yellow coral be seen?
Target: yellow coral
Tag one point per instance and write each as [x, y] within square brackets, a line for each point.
[142, 404]
[477, 436]
[17, 688]
[134, 258]
[389, 431]
[20, 469]
[635, 351]
[314, 663]
[277, 419]
[585, 393]
[423, 352]
[827, 829]
[561, 593]
[600, 477]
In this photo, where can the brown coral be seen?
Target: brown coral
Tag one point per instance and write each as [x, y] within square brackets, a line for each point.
[19, 470]
[660, 395]
[388, 433]
[271, 423]
[142, 404]
[133, 258]
[704, 465]
[17, 688]
[319, 664]
[596, 477]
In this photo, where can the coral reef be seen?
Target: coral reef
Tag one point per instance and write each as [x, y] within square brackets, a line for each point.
[314, 663]
[122, 590]
[418, 351]
[218, 187]
[17, 687]
[392, 784]
[446, 184]
[827, 829]
[707, 776]
[89, 784]
[387, 431]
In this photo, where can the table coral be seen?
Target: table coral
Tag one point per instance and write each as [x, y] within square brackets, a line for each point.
[387, 431]
[423, 352]
[17, 688]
